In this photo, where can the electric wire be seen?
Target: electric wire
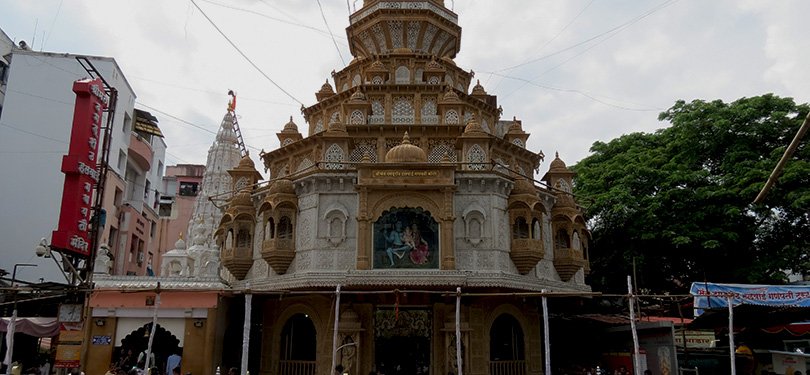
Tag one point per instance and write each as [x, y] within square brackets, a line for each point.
[206, 91]
[243, 54]
[50, 30]
[32, 133]
[330, 32]
[595, 37]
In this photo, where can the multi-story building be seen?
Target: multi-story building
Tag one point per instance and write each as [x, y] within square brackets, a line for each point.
[181, 186]
[35, 125]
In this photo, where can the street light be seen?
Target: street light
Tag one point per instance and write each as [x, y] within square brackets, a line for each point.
[13, 322]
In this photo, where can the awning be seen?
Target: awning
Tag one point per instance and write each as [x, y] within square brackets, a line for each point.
[37, 327]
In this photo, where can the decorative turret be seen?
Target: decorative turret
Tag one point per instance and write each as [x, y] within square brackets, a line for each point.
[325, 92]
[478, 91]
[289, 134]
[526, 219]
[434, 73]
[515, 135]
[377, 73]
[568, 225]
[358, 109]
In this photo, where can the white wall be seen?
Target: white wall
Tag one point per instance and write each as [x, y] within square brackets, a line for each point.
[34, 134]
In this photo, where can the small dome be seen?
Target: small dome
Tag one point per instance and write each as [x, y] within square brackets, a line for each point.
[326, 88]
[557, 165]
[450, 96]
[473, 126]
[515, 127]
[406, 153]
[180, 244]
[433, 66]
[246, 162]
[523, 186]
[281, 186]
[290, 126]
[377, 66]
[242, 198]
[478, 90]
[358, 96]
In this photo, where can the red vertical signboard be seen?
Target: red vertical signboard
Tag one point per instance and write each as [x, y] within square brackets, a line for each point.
[79, 167]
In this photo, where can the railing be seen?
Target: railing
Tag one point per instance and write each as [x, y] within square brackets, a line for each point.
[430, 119]
[296, 368]
[376, 119]
[507, 368]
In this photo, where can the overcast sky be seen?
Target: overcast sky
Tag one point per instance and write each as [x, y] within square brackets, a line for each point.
[575, 71]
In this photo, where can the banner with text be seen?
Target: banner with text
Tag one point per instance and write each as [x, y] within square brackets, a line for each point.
[715, 296]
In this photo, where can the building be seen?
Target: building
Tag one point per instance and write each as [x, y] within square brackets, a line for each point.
[181, 186]
[35, 123]
[405, 185]
[404, 194]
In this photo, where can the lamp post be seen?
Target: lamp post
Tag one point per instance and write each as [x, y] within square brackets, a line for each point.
[13, 322]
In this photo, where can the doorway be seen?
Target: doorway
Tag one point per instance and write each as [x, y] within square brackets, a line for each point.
[402, 341]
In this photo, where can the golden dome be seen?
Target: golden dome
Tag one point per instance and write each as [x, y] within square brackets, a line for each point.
[515, 126]
[326, 88]
[523, 186]
[473, 127]
[433, 66]
[290, 127]
[450, 97]
[281, 186]
[246, 162]
[557, 165]
[242, 198]
[358, 96]
[478, 90]
[406, 153]
[377, 66]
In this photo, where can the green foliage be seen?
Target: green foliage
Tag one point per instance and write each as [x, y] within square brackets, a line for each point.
[678, 201]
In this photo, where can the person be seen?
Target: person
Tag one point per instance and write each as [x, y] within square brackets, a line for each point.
[339, 370]
[398, 246]
[420, 251]
[173, 362]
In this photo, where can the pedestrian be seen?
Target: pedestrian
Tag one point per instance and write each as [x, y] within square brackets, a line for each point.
[173, 362]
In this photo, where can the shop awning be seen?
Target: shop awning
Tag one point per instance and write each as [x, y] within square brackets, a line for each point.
[37, 327]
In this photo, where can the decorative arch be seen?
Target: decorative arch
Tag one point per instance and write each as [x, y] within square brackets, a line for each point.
[398, 200]
[406, 237]
[507, 344]
[333, 156]
[476, 156]
[335, 218]
[402, 75]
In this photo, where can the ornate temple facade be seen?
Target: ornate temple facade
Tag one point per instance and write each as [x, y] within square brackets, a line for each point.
[404, 184]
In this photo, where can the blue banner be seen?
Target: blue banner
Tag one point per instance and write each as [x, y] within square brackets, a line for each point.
[715, 296]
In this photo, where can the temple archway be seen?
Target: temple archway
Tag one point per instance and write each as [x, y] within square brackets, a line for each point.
[298, 346]
[163, 344]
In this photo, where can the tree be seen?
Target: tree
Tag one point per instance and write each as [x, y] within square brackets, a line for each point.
[678, 201]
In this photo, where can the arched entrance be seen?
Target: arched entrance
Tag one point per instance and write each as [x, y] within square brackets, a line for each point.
[163, 345]
[506, 347]
[298, 346]
[402, 341]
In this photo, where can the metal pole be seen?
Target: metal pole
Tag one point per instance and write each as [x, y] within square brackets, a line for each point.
[731, 335]
[546, 336]
[636, 359]
[458, 330]
[12, 325]
[147, 364]
[246, 330]
[335, 333]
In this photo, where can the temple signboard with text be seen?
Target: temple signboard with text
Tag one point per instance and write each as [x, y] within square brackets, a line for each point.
[79, 167]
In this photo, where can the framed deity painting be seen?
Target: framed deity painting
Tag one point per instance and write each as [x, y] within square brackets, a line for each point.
[406, 238]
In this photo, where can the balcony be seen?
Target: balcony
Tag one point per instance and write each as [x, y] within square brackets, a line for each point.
[140, 151]
[278, 253]
[525, 253]
[568, 261]
[237, 260]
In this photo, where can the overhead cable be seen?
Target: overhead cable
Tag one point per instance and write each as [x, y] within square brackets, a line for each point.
[243, 54]
[330, 32]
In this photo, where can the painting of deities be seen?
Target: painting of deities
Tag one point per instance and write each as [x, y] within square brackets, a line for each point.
[406, 238]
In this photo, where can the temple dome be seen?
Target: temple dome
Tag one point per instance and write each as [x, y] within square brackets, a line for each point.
[242, 198]
[450, 97]
[557, 165]
[326, 88]
[473, 126]
[290, 127]
[478, 90]
[523, 186]
[358, 96]
[281, 186]
[246, 162]
[406, 153]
